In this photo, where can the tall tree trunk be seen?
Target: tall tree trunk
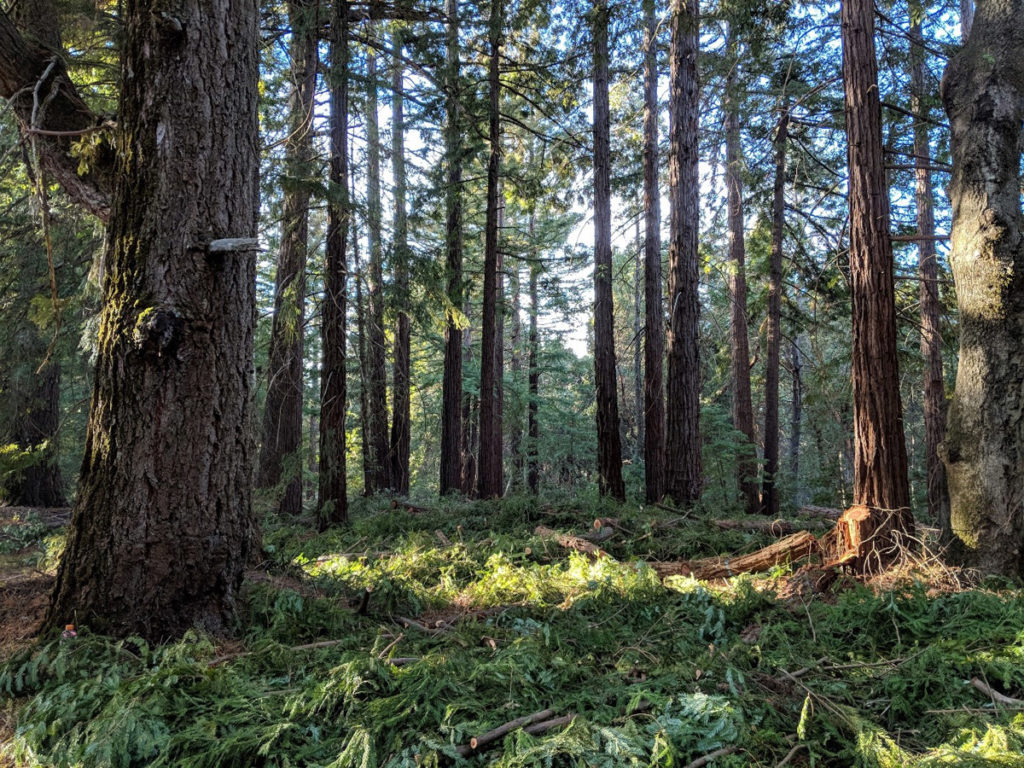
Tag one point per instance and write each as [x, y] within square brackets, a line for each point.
[451, 389]
[361, 330]
[280, 461]
[35, 428]
[682, 446]
[796, 420]
[515, 439]
[880, 454]
[400, 418]
[533, 423]
[498, 442]
[931, 309]
[983, 90]
[470, 419]
[488, 469]
[638, 352]
[332, 507]
[742, 406]
[769, 493]
[376, 344]
[163, 527]
[609, 446]
[654, 312]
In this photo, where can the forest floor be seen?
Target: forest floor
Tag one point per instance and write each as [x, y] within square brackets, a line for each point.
[462, 633]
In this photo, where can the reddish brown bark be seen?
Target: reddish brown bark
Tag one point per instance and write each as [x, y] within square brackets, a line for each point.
[880, 457]
[684, 480]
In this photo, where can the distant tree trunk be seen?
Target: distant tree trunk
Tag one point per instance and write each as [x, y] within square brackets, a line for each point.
[361, 323]
[682, 446]
[451, 398]
[489, 465]
[533, 424]
[654, 311]
[162, 526]
[769, 493]
[638, 352]
[609, 446]
[281, 447]
[498, 443]
[796, 420]
[36, 425]
[333, 495]
[515, 439]
[376, 344]
[983, 90]
[470, 420]
[880, 454]
[400, 418]
[931, 308]
[742, 407]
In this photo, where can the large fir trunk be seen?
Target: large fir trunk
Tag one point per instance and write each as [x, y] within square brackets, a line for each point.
[742, 406]
[162, 527]
[609, 446]
[280, 462]
[400, 417]
[931, 308]
[35, 428]
[769, 492]
[654, 312]
[451, 387]
[983, 90]
[880, 455]
[332, 505]
[488, 469]
[376, 343]
[683, 480]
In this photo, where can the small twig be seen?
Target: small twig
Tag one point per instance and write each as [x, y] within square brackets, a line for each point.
[790, 755]
[547, 725]
[701, 761]
[996, 696]
[493, 735]
[407, 622]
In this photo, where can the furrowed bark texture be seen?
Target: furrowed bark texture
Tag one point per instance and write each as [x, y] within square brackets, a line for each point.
[609, 448]
[880, 456]
[931, 307]
[162, 528]
[281, 445]
[742, 406]
[400, 417]
[682, 446]
[451, 387]
[773, 343]
[983, 90]
[654, 310]
[332, 504]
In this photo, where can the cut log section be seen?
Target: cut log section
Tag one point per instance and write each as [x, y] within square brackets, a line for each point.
[790, 549]
[569, 541]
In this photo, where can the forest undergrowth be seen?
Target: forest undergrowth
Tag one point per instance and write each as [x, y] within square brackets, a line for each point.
[398, 639]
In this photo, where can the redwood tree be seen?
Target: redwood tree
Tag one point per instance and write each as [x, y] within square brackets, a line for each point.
[880, 455]
[162, 526]
[682, 445]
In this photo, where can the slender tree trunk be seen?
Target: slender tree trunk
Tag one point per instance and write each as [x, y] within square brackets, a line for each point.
[280, 460]
[376, 344]
[966, 19]
[332, 508]
[796, 420]
[682, 446]
[452, 446]
[400, 418]
[162, 526]
[533, 424]
[638, 352]
[470, 419]
[769, 493]
[880, 454]
[489, 469]
[609, 446]
[498, 441]
[35, 428]
[515, 440]
[983, 91]
[931, 308]
[654, 311]
[361, 328]
[742, 407]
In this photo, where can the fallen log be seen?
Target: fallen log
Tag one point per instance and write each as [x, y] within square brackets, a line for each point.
[790, 549]
[810, 510]
[408, 506]
[772, 527]
[568, 541]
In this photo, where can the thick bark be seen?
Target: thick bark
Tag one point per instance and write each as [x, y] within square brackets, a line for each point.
[931, 308]
[773, 343]
[742, 406]
[683, 481]
[609, 446]
[332, 504]
[35, 428]
[400, 418]
[376, 343]
[32, 72]
[162, 527]
[880, 454]
[983, 90]
[533, 423]
[489, 470]
[654, 311]
[966, 19]
[280, 462]
[451, 388]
